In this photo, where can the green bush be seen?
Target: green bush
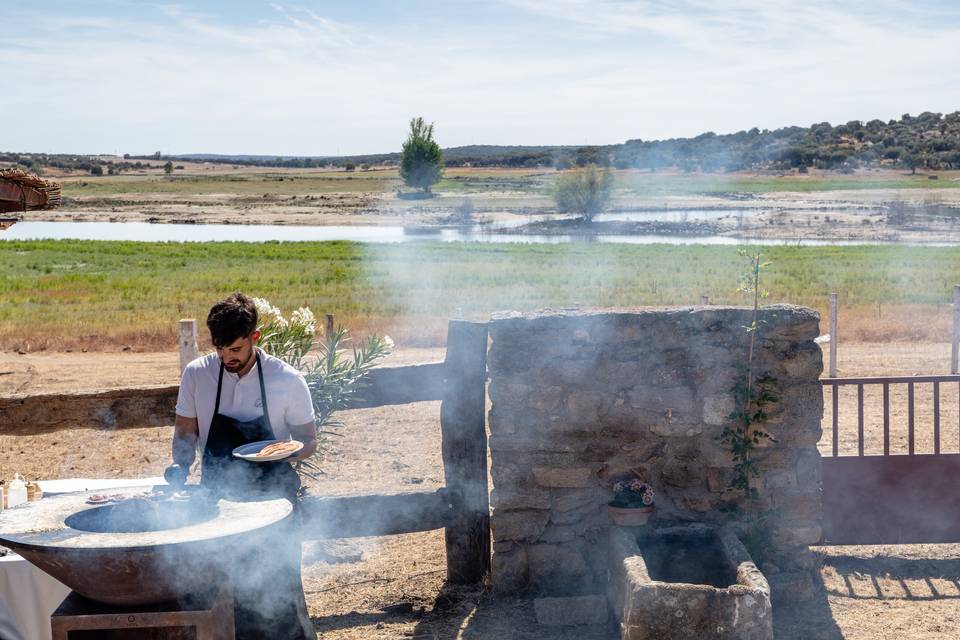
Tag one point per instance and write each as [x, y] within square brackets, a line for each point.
[585, 192]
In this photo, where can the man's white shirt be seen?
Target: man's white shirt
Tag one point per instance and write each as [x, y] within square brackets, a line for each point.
[288, 398]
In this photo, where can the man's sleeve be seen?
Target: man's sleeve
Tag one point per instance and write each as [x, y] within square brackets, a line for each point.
[300, 409]
[186, 400]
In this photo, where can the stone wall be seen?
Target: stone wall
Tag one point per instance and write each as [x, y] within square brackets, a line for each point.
[580, 398]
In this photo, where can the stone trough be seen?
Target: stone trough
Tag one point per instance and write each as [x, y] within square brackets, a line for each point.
[689, 581]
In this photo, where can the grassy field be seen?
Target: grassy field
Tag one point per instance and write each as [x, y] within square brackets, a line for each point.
[250, 183]
[65, 294]
[645, 183]
[197, 180]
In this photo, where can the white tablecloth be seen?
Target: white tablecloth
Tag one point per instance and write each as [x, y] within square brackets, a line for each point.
[31, 596]
[30, 593]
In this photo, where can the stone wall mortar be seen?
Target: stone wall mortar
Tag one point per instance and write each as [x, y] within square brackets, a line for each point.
[580, 398]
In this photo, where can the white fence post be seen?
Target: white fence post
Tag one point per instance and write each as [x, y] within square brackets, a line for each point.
[833, 335]
[956, 329]
[188, 343]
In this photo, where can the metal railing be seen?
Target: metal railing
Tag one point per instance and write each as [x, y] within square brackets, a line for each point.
[885, 382]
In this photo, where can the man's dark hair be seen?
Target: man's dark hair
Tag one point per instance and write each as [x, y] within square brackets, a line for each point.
[233, 317]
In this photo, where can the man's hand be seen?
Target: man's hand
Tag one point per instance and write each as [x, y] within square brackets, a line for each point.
[186, 432]
[307, 434]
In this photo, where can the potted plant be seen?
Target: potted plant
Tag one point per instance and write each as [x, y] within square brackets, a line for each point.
[632, 503]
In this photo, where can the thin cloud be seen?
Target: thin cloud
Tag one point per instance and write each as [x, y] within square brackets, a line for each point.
[298, 81]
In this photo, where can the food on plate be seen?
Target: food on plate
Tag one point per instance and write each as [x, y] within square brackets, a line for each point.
[101, 498]
[279, 447]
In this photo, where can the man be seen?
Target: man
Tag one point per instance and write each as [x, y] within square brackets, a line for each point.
[235, 396]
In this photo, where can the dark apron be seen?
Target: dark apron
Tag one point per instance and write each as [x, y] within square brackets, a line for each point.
[268, 603]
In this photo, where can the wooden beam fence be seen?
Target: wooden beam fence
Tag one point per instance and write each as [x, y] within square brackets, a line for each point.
[461, 508]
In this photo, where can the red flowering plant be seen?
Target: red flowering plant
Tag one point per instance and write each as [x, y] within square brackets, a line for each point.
[632, 494]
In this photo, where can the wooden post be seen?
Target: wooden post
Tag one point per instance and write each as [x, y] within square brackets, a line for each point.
[833, 335]
[956, 329]
[464, 446]
[704, 300]
[188, 343]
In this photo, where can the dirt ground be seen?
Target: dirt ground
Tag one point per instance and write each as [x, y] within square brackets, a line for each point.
[393, 587]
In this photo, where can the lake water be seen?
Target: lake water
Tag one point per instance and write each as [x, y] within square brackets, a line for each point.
[148, 232]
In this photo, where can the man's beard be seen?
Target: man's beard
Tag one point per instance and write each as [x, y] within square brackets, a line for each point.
[233, 366]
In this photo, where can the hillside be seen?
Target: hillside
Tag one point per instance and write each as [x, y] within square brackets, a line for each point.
[928, 141]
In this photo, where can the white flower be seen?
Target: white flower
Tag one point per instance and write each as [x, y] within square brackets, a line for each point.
[388, 343]
[304, 319]
[269, 315]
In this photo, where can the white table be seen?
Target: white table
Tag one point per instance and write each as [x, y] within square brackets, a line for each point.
[31, 594]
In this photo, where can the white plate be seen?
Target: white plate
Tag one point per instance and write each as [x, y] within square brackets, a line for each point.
[249, 451]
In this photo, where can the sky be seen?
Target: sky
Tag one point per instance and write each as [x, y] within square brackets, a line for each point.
[315, 78]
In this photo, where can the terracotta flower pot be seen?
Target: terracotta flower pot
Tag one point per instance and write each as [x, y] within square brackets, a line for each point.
[630, 516]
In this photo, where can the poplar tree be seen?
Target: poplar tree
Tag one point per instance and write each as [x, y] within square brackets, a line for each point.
[421, 160]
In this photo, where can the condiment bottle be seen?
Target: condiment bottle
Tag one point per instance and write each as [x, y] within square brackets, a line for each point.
[18, 491]
[34, 492]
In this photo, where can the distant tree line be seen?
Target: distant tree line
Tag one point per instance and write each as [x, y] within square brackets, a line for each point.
[94, 165]
[928, 141]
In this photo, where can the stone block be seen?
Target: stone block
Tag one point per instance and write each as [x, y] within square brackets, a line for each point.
[518, 525]
[670, 428]
[566, 517]
[571, 611]
[789, 587]
[556, 533]
[578, 500]
[717, 409]
[799, 504]
[718, 479]
[679, 402]
[509, 392]
[586, 406]
[570, 477]
[509, 570]
[516, 498]
[715, 454]
[569, 372]
[809, 467]
[802, 361]
[546, 399]
[556, 566]
[527, 444]
[779, 479]
[798, 533]
[616, 374]
[695, 502]
[683, 473]
[791, 324]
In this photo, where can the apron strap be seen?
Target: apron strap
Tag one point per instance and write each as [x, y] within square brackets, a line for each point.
[263, 395]
[216, 407]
